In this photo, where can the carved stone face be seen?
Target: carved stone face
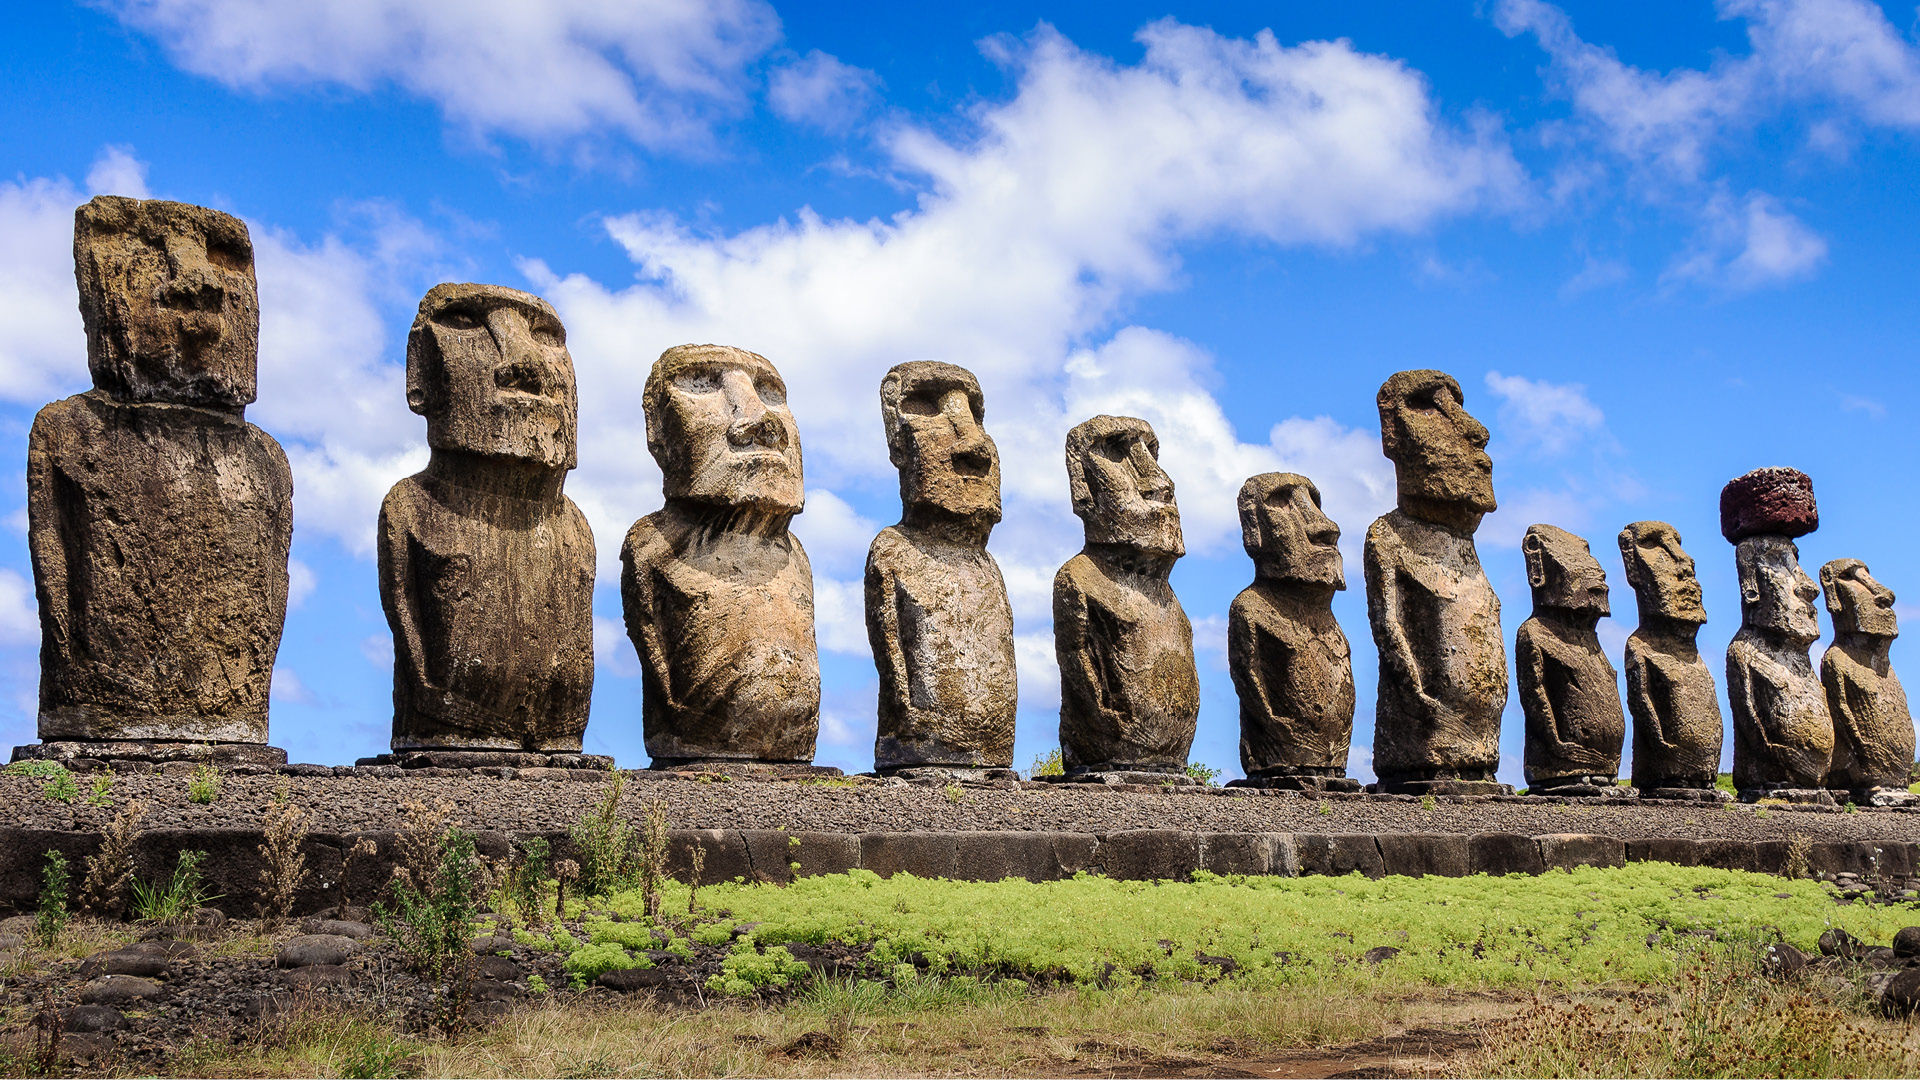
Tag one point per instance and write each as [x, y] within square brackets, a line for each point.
[1286, 533]
[718, 424]
[168, 298]
[947, 462]
[1857, 603]
[1563, 572]
[488, 367]
[1661, 573]
[1438, 450]
[1775, 594]
[1119, 489]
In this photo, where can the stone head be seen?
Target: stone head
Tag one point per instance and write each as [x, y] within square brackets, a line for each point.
[1857, 603]
[1287, 534]
[1563, 572]
[168, 298]
[933, 414]
[719, 427]
[1661, 573]
[1775, 594]
[489, 369]
[1119, 490]
[1438, 450]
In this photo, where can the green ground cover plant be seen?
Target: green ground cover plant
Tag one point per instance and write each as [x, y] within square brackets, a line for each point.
[1587, 927]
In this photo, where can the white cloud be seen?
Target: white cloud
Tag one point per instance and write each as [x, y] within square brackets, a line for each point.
[1026, 240]
[1745, 244]
[19, 610]
[118, 172]
[378, 650]
[301, 581]
[820, 90]
[657, 71]
[1546, 415]
[289, 690]
[612, 649]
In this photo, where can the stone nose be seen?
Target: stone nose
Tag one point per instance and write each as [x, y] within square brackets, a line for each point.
[1153, 481]
[524, 365]
[195, 287]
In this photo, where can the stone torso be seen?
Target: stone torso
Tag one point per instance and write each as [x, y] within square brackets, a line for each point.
[1677, 727]
[1443, 665]
[491, 602]
[159, 536]
[724, 625]
[1293, 670]
[942, 635]
[1782, 734]
[1872, 727]
[1129, 691]
[1571, 699]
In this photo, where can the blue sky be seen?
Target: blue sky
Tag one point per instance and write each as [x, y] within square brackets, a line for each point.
[1659, 245]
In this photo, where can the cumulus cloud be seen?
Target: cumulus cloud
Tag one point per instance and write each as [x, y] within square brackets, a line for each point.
[1550, 416]
[820, 90]
[657, 71]
[1027, 237]
[19, 612]
[1746, 243]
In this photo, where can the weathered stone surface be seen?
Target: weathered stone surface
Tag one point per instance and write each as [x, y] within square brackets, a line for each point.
[1504, 853]
[718, 594]
[1129, 691]
[145, 963]
[118, 754]
[1149, 854]
[1567, 850]
[119, 990]
[1422, 854]
[1677, 729]
[926, 855]
[1782, 733]
[1032, 856]
[486, 567]
[937, 611]
[1906, 943]
[90, 1019]
[1434, 615]
[158, 518]
[1291, 664]
[1872, 727]
[1338, 854]
[308, 950]
[1768, 502]
[1568, 690]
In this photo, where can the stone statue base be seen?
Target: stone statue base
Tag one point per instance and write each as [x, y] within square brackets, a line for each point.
[1884, 797]
[1811, 796]
[151, 751]
[1582, 787]
[737, 769]
[1438, 782]
[1122, 776]
[1686, 794]
[1297, 782]
[488, 759]
[949, 773]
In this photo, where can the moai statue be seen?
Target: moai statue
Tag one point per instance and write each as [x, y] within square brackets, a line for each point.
[1568, 690]
[937, 611]
[1129, 692]
[1435, 618]
[486, 567]
[159, 519]
[1782, 733]
[1677, 729]
[1872, 729]
[1290, 663]
[718, 594]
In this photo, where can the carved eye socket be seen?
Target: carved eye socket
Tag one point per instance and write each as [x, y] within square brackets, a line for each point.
[919, 404]
[229, 256]
[1115, 448]
[550, 335]
[771, 392]
[458, 317]
[696, 382]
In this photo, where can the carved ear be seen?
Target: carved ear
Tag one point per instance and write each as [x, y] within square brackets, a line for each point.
[1536, 560]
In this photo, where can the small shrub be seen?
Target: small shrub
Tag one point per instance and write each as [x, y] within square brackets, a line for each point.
[432, 920]
[1203, 773]
[204, 785]
[61, 788]
[102, 794]
[1049, 764]
[529, 883]
[38, 770]
[697, 862]
[609, 847]
[1427, 802]
[52, 915]
[653, 855]
[110, 869]
[284, 865]
[589, 962]
[955, 793]
[363, 851]
[1323, 808]
[174, 900]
